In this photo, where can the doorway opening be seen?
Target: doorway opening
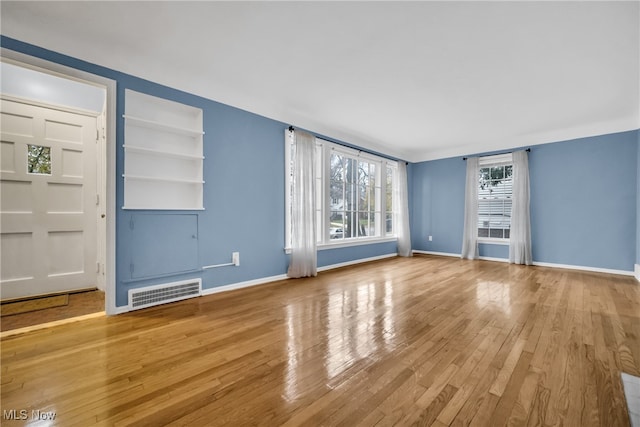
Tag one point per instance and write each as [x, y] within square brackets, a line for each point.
[57, 177]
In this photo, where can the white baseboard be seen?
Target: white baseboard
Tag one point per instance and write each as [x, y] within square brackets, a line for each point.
[265, 280]
[241, 285]
[549, 264]
[120, 310]
[356, 261]
[436, 253]
[583, 268]
[484, 258]
[488, 258]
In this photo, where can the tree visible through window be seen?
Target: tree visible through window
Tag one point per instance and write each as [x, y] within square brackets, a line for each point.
[353, 188]
[39, 159]
[354, 194]
[494, 201]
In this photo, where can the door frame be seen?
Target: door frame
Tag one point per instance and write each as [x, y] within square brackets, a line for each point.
[108, 156]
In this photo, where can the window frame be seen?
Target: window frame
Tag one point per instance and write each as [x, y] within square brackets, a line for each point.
[326, 148]
[488, 162]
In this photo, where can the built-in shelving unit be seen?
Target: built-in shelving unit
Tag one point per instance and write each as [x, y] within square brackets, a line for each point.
[162, 154]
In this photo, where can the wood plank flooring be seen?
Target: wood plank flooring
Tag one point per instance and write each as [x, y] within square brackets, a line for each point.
[420, 341]
[79, 304]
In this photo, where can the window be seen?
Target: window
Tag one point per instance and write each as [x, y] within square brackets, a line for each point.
[38, 159]
[354, 195]
[495, 183]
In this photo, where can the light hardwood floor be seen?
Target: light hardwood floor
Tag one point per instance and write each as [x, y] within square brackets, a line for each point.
[426, 341]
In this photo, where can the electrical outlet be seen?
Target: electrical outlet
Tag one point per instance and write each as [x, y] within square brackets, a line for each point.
[236, 258]
[431, 238]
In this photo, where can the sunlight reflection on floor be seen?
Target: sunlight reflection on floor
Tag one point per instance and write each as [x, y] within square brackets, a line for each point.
[494, 294]
[351, 327]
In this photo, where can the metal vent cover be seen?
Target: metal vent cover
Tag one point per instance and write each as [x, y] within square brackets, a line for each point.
[164, 293]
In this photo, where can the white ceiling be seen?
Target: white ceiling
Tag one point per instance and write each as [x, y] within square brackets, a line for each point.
[417, 80]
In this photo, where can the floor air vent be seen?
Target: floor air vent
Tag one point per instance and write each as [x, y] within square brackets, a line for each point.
[164, 293]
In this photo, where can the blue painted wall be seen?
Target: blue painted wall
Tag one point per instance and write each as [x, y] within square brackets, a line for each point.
[243, 191]
[583, 210]
[438, 205]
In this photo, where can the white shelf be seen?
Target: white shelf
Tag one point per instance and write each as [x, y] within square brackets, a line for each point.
[150, 124]
[162, 154]
[160, 179]
[155, 152]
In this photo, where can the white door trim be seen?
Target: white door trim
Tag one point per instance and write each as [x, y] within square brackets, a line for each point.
[110, 86]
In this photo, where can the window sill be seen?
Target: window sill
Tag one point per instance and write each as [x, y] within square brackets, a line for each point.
[347, 243]
[490, 241]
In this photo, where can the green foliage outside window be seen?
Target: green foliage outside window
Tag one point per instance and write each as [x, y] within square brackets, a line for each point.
[39, 159]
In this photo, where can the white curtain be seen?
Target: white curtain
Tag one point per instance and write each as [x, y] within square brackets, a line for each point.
[402, 202]
[303, 261]
[470, 234]
[520, 236]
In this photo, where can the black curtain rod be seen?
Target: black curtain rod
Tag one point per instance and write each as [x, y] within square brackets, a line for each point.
[528, 150]
[291, 129]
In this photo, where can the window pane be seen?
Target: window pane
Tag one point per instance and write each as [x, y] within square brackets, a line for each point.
[389, 223]
[336, 225]
[508, 171]
[374, 219]
[374, 195]
[485, 177]
[351, 170]
[337, 168]
[496, 233]
[363, 198]
[497, 189]
[372, 174]
[38, 159]
[494, 201]
[363, 172]
[388, 198]
[363, 224]
[484, 207]
[497, 172]
[350, 227]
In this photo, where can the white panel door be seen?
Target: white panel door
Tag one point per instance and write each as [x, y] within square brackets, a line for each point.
[47, 201]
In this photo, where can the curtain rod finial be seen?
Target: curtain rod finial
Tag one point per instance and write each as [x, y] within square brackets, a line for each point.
[291, 129]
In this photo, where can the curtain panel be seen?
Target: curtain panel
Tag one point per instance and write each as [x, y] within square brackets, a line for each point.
[303, 261]
[520, 238]
[402, 203]
[470, 233]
